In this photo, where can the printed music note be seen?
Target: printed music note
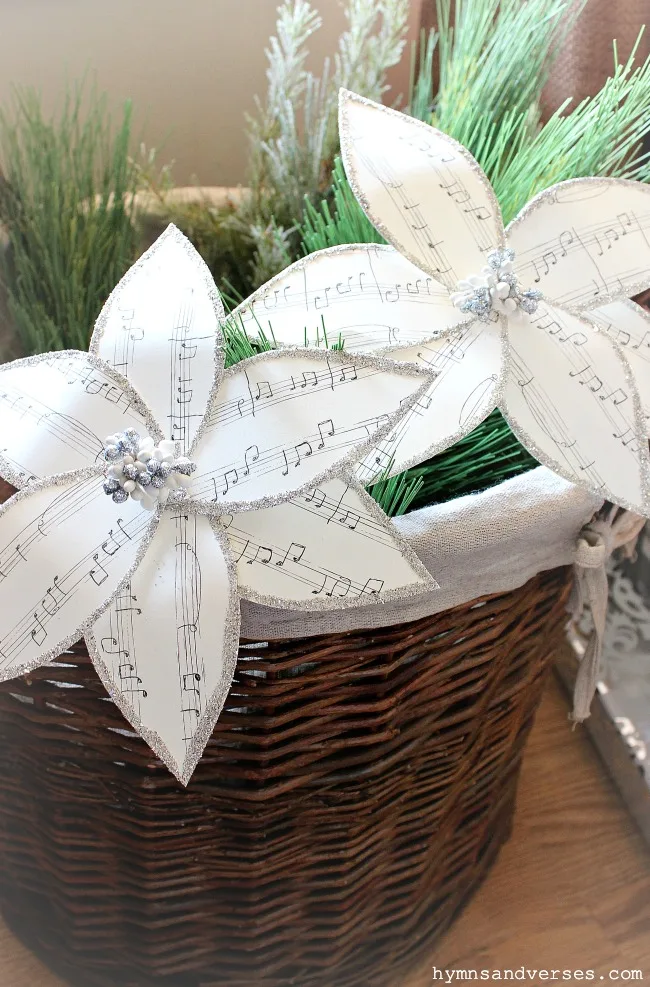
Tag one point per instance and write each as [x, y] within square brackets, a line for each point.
[626, 437]
[325, 428]
[110, 646]
[480, 211]
[235, 479]
[294, 550]
[348, 373]
[624, 220]
[195, 678]
[303, 451]
[259, 555]
[611, 237]
[566, 241]
[549, 260]
[456, 191]
[243, 552]
[372, 586]
[617, 396]
[309, 377]
[120, 524]
[185, 395]
[341, 587]
[251, 455]
[99, 574]
[635, 346]
[111, 546]
[188, 351]
[38, 633]
[318, 299]
[264, 390]
[392, 294]
[316, 493]
[347, 289]
[54, 597]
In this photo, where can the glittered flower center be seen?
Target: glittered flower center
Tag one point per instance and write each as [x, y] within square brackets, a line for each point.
[495, 289]
[149, 473]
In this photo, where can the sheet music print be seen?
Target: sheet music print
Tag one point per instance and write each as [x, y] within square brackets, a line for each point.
[168, 295]
[468, 367]
[371, 297]
[63, 551]
[629, 325]
[420, 190]
[56, 413]
[162, 643]
[284, 419]
[585, 242]
[329, 546]
[563, 371]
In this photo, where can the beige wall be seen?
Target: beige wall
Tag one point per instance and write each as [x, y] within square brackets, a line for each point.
[191, 67]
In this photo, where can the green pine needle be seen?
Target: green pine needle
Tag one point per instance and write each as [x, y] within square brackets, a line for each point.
[66, 201]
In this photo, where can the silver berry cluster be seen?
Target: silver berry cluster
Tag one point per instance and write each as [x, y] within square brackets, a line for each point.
[147, 472]
[495, 289]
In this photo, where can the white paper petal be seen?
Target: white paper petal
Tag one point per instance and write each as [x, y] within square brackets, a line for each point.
[422, 190]
[166, 648]
[56, 411]
[64, 550]
[468, 364]
[160, 328]
[368, 295]
[629, 326]
[285, 420]
[328, 549]
[571, 401]
[584, 242]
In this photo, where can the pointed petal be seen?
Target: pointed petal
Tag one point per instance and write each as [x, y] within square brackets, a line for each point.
[422, 190]
[160, 328]
[584, 242]
[628, 324]
[366, 294]
[328, 549]
[56, 410]
[571, 401]
[288, 419]
[64, 550]
[468, 364]
[166, 648]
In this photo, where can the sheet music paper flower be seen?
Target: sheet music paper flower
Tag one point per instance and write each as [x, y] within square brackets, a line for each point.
[157, 488]
[504, 317]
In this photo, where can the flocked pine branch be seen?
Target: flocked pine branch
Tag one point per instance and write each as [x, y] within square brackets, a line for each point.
[294, 135]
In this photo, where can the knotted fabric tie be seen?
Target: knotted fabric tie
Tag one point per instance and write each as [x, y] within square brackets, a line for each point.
[595, 544]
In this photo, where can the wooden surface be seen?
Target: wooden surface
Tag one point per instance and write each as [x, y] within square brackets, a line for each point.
[571, 891]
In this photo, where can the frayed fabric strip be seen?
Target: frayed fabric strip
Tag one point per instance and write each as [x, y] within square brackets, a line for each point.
[595, 543]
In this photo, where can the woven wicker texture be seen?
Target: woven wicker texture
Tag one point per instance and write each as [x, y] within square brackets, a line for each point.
[354, 794]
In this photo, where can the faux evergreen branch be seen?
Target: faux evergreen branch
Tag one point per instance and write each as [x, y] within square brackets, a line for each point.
[294, 136]
[65, 200]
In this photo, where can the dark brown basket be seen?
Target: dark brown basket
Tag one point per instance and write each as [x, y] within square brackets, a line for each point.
[354, 794]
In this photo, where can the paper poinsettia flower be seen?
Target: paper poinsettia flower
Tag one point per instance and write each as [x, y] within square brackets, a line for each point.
[157, 488]
[506, 318]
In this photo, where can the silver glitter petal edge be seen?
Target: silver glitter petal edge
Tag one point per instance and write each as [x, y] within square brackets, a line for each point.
[52, 653]
[344, 465]
[346, 97]
[426, 585]
[210, 715]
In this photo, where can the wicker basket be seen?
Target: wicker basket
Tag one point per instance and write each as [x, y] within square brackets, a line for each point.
[354, 794]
